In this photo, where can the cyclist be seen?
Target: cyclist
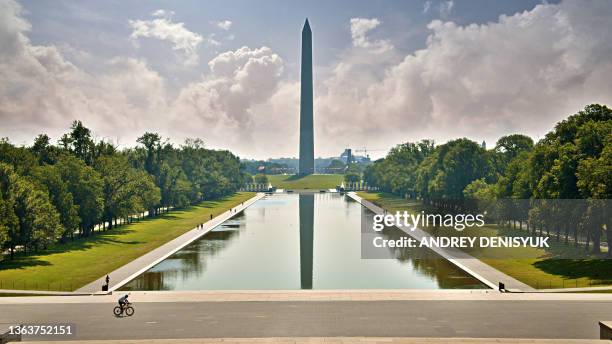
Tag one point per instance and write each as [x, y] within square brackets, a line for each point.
[123, 301]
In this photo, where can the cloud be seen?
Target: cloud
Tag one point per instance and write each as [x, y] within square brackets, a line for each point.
[162, 13]
[224, 24]
[426, 6]
[445, 8]
[223, 100]
[41, 91]
[522, 74]
[163, 28]
[359, 30]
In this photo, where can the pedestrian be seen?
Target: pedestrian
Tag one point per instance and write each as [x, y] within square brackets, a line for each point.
[211, 216]
[107, 279]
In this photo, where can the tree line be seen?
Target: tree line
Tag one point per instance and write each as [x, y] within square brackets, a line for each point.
[572, 162]
[52, 193]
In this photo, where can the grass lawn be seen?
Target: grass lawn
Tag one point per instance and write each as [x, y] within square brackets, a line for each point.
[313, 181]
[536, 267]
[75, 264]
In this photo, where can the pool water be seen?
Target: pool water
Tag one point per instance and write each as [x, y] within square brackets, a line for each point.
[298, 241]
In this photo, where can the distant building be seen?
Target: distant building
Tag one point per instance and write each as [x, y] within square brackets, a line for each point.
[347, 156]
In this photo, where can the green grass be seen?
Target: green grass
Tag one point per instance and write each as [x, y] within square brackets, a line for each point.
[537, 267]
[314, 181]
[75, 264]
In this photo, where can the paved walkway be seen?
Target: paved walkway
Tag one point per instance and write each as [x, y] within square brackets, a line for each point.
[141, 264]
[337, 340]
[436, 319]
[475, 267]
[309, 296]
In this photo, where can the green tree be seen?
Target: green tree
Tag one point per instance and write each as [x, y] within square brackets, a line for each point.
[260, 179]
[9, 222]
[123, 188]
[50, 179]
[510, 146]
[39, 223]
[81, 143]
[86, 187]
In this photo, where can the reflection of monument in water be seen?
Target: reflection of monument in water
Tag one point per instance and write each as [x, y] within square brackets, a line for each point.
[306, 204]
[306, 122]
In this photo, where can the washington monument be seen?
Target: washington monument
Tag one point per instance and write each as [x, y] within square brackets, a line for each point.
[306, 122]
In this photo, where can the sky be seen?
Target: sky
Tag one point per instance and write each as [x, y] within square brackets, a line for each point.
[385, 71]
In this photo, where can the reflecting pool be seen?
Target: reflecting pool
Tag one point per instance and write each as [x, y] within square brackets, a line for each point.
[297, 241]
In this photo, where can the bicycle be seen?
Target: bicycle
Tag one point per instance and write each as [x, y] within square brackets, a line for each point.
[127, 309]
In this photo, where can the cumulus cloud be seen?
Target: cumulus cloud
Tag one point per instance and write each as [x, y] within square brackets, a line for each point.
[359, 30]
[163, 28]
[519, 74]
[224, 24]
[41, 91]
[224, 100]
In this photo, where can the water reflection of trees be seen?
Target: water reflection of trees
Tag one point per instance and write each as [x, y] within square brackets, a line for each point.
[429, 263]
[189, 262]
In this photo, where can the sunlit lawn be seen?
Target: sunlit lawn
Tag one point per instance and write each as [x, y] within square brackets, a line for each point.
[538, 267]
[75, 264]
[314, 181]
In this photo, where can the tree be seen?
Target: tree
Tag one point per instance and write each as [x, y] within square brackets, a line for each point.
[9, 222]
[81, 144]
[50, 179]
[152, 144]
[20, 158]
[44, 151]
[39, 223]
[510, 146]
[443, 176]
[260, 179]
[28, 217]
[352, 177]
[86, 187]
[124, 188]
[352, 174]
[336, 166]
[397, 173]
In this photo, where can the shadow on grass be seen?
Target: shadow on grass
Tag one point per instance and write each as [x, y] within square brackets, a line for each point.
[595, 269]
[22, 260]
[112, 236]
[296, 177]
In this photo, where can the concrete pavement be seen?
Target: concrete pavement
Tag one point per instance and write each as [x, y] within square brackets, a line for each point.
[126, 273]
[311, 295]
[475, 267]
[337, 340]
[395, 318]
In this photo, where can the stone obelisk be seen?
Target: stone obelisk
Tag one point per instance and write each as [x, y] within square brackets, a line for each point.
[306, 122]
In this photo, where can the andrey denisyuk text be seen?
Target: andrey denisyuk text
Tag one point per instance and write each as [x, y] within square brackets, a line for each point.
[457, 221]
